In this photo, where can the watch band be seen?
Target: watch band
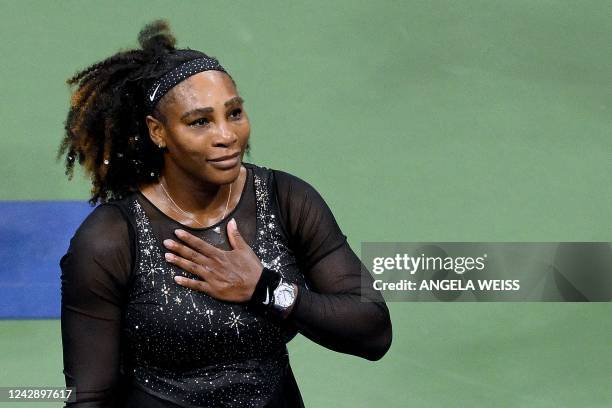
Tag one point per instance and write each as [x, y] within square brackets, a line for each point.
[263, 295]
[273, 295]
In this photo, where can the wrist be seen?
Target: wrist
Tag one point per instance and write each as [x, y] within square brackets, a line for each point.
[264, 289]
[273, 295]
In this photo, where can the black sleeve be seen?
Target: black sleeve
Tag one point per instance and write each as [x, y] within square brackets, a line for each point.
[95, 272]
[330, 311]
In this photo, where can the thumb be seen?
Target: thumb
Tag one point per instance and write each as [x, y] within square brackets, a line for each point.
[235, 239]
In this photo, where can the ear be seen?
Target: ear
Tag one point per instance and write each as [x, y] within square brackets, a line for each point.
[157, 132]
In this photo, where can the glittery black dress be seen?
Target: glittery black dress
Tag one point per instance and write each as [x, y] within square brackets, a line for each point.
[132, 337]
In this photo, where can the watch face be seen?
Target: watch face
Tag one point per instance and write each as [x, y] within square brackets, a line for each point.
[284, 295]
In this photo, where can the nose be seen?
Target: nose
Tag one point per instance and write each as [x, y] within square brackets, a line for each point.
[225, 136]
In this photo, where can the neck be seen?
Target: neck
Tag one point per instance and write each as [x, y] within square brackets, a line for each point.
[200, 202]
[200, 198]
[193, 195]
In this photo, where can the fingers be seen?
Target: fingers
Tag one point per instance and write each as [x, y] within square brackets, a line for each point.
[189, 266]
[234, 236]
[198, 244]
[185, 252]
[193, 284]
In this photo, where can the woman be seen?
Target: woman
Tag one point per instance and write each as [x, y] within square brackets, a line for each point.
[183, 287]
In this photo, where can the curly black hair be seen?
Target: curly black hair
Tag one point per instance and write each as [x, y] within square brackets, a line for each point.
[105, 127]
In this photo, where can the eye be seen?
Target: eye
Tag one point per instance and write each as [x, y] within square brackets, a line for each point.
[199, 122]
[236, 113]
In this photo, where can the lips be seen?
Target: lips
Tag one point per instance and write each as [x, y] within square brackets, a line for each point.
[222, 158]
[225, 162]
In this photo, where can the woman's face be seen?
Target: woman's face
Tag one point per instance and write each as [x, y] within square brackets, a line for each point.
[206, 130]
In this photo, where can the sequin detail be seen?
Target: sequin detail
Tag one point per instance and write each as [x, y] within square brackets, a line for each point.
[177, 75]
[271, 247]
[192, 349]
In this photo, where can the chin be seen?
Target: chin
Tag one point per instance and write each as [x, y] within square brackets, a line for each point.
[223, 176]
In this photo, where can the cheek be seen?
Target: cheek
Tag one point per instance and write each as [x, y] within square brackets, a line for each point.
[187, 149]
[244, 130]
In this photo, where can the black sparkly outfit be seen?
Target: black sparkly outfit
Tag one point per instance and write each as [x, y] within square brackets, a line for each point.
[132, 337]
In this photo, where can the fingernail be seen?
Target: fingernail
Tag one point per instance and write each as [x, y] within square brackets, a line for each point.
[233, 223]
[168, 242]
[178, 279]
[168, 256]
[179, 232]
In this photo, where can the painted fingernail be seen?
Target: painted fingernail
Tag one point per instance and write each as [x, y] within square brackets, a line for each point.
[178, 279]
[168, 256]
[168, 242]
[179, 232]
[233, 223]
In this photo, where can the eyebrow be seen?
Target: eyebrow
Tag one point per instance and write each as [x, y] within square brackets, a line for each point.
[234, 101]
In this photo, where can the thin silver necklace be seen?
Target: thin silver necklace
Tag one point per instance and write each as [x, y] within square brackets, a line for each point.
[217, 229]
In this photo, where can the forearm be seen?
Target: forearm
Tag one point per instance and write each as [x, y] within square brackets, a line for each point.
[343, 322]
[90, 362]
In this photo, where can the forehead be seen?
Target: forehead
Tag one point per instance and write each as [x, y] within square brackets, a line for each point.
[204, 89]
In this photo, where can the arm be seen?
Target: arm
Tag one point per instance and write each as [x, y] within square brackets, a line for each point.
[330, 311]
[95, 270]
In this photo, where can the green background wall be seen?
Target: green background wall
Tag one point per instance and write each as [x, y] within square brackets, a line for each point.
[416, 121]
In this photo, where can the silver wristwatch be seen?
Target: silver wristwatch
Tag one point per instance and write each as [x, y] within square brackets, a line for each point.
[284, 296]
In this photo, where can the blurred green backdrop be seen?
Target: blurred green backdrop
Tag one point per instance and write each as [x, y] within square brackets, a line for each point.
[417, 121]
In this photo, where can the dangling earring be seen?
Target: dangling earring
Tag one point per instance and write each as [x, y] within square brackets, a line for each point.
[161, 146]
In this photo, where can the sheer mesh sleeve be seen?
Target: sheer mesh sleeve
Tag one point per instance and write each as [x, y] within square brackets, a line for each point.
[95, 272]
[330, 311]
